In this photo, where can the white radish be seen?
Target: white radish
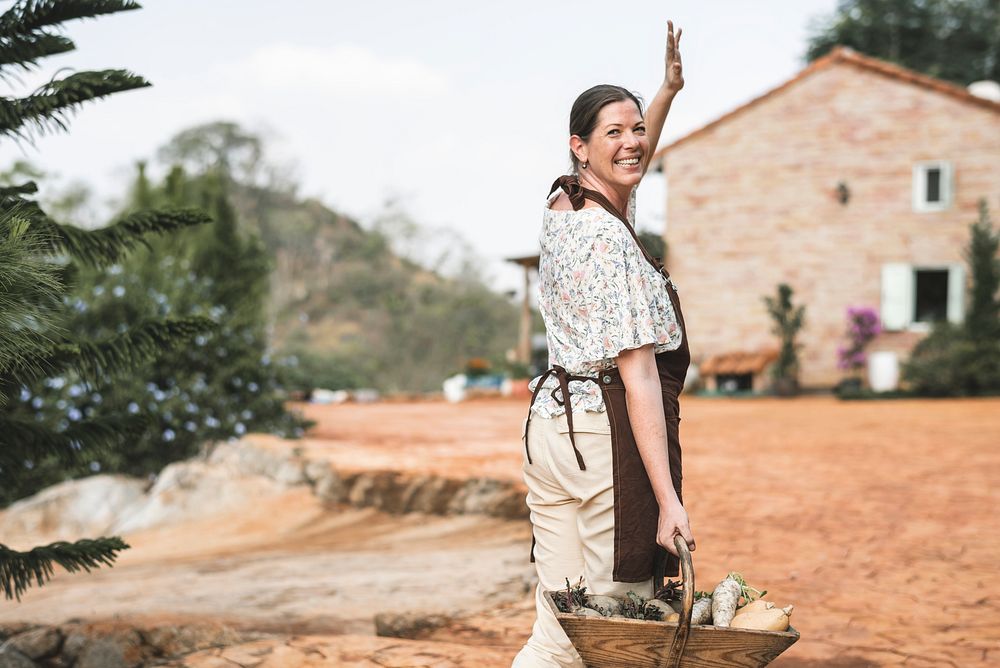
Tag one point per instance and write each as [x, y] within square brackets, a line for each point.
[606, 605]
[701, 613]
[662, 606]
[725, 597]
[586, 612]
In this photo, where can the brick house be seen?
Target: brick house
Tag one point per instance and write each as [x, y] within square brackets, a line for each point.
[854, 182]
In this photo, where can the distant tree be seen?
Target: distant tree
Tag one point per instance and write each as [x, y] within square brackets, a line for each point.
[654, 243]
[964, 360]
[788, 320]
[219, 147]
[983, 320]
[955, 40]
[38, 256]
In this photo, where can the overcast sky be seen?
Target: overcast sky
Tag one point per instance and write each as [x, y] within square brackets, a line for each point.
[440, 104]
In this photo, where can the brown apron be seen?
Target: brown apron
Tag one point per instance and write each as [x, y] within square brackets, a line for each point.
[637, 557]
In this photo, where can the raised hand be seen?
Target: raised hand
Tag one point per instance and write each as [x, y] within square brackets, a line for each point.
[674, 76]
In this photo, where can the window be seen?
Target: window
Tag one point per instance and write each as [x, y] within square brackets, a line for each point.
[930, 295]
[915, 297]
[932, 186]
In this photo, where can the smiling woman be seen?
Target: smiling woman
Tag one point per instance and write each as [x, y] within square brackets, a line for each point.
[604, 488]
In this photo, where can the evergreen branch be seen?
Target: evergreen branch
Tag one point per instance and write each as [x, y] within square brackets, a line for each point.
[11, 193]
[25, 439]
[131, 349]
[98, 362]
[24, 51]
[49, 106]
[29, 15]
[19, 569]
[29, 295]
[110, 244]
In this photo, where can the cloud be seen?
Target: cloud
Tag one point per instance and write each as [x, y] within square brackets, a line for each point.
[342, 70]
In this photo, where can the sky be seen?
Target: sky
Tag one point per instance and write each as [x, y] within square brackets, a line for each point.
[457, 110]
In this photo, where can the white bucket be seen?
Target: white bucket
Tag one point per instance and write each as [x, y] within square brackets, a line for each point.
[883, 371]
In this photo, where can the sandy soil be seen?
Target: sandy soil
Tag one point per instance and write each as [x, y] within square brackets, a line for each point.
[876, 519]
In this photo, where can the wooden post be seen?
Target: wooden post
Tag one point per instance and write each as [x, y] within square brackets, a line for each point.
[523, 352]
[524, 341]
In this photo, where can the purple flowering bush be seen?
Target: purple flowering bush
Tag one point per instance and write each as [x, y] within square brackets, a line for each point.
[862, 326]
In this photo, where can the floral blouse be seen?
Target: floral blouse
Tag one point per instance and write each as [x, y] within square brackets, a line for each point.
[598, 296]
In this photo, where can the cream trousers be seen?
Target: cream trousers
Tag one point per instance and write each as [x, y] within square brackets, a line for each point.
[573, 521]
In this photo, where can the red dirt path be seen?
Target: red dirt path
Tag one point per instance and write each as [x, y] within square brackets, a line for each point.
[876, 519]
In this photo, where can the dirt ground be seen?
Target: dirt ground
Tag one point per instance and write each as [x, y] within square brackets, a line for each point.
[876, 519]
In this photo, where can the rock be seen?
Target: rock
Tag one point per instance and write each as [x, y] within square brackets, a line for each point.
[180, 640]
[250, 457]
[9, 629]
[38, 643]
[72, 647]
[429, 494]
[327, 484]
[72, 509]
[378, 489]
[485, 496]
[184, 490]
[11, 658]
[411, 625]
[101, 653]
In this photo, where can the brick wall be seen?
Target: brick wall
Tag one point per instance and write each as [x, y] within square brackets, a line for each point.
[752, 203]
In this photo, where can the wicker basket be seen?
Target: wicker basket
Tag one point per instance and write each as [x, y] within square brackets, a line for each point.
[633, 643]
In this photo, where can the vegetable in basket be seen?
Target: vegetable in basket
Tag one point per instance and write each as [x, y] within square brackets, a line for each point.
[726, 598]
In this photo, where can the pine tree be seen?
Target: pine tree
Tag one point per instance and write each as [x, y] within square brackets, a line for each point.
[222, 385]
[38, 257]
[983, 321]
[964, 360]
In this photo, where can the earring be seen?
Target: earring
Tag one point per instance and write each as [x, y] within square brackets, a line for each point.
[584, 165]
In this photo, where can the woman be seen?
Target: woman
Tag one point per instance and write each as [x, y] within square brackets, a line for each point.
[602, 455]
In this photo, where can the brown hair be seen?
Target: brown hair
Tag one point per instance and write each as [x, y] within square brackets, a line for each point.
[583, 116]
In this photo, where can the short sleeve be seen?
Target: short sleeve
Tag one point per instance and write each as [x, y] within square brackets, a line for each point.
[622, 302]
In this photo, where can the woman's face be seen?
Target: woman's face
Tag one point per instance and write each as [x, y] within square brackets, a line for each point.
[617, 147]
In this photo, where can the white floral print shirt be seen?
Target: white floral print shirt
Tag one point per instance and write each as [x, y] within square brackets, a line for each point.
[598, 296]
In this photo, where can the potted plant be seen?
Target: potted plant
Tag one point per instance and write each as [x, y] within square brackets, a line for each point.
[862, 326]
[788, 320]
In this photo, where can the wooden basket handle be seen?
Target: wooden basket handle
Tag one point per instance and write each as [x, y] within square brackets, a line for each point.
[676, 652]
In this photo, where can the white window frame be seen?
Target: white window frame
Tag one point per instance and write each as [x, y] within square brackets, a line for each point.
[920, 203]
[898, 301]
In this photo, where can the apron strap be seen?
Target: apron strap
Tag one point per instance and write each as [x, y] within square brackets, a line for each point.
[564, 400]
[570, 184]
[566, 403]
[534, 395]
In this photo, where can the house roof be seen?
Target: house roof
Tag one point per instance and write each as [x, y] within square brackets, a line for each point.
[738, 362]
[528, 261]
[843, 54]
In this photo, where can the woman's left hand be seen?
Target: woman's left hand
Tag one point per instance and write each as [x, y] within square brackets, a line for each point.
[674, 76]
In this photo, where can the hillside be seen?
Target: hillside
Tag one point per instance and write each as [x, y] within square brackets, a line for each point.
[344, 301]
[351, 310]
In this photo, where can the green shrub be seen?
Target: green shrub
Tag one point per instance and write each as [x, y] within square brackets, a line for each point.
[964, 360]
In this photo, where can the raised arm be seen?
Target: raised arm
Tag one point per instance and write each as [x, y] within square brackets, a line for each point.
[673, 81]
